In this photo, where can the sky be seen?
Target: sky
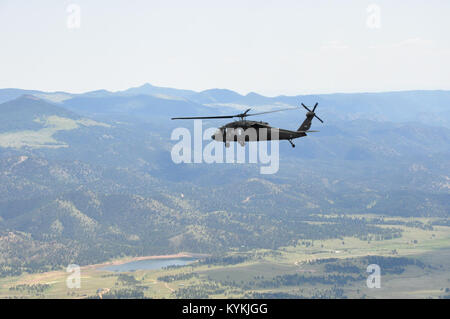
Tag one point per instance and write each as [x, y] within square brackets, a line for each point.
[269, 47]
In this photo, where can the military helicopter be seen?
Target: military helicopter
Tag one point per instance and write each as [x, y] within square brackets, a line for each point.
[239, 131]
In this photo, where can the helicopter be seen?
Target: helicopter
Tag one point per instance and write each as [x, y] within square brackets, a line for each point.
[237, 131]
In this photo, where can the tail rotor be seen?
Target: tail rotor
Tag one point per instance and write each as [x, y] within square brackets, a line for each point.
[313, 110]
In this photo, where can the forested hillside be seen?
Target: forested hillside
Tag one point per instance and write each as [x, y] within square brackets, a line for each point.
[88, 177]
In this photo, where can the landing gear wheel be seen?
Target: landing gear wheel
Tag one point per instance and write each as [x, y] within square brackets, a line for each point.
[227, 144]
[293, 145]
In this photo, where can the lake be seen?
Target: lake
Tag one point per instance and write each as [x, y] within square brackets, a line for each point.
[148, 264]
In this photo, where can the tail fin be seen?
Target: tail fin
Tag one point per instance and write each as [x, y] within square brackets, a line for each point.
[306, 123]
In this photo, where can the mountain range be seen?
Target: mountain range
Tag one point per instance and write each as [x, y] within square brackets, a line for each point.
[89, 177]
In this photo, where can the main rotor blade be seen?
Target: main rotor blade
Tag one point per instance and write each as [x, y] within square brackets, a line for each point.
[204, 117]
[315, 105]
[241, 115]
[287, 109]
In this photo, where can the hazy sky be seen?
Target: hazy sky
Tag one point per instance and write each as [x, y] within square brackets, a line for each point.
[269, 47]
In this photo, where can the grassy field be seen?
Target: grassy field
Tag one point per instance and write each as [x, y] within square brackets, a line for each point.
[44, 137]
[432, 247]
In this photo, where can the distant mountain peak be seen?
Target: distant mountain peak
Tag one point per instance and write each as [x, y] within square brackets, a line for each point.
[217, 96]
[100, 91]
[28, 107]
[149, 89]
[253, 94]
[216, 90]
[29, 97]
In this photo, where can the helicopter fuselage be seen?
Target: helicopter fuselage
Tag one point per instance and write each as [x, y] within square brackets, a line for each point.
[247, 131]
